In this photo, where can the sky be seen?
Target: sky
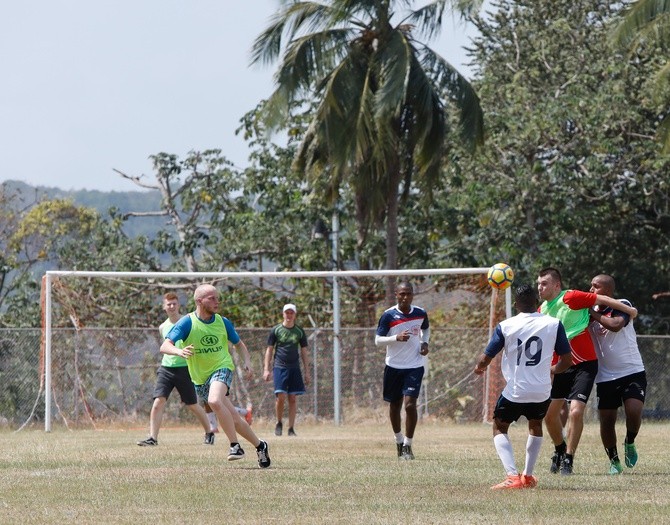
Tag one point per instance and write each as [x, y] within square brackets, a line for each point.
[92, 86]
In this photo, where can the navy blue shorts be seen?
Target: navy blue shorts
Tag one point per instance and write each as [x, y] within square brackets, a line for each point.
[171, 377]
[399, 382]
[509, 411]
[612, 394]
[288, 381]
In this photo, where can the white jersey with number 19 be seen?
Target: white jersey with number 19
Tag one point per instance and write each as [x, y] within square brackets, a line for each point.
[528, 341]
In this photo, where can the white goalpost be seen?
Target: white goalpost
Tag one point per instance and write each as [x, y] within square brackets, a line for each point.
[336, 277]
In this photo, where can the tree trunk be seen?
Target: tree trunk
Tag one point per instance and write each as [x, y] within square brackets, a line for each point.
[392, 230]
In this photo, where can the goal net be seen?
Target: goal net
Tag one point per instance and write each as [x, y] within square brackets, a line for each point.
[100, 341]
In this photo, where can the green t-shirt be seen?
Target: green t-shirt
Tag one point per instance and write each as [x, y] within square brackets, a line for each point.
[171, 361]
[574, 321]
[210, 348]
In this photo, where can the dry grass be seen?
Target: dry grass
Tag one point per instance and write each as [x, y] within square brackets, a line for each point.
[327, 474]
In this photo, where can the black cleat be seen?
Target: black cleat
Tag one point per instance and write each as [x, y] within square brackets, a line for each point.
[556, 461]
[566, 466]
[236, 452]
[263, 455]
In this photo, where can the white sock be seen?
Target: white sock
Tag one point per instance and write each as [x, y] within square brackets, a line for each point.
[241, 411]
[407, 441]
[399, 438]
[532, 452]
[505, 453]
[213, 423]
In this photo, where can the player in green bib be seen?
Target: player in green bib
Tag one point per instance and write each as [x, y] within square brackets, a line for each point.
[173, 373]
[571, 307]
[205, 336]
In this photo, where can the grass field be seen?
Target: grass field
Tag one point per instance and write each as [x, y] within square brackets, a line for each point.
[328, 474]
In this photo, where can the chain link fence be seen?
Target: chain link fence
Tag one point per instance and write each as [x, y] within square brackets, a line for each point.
[106, 377]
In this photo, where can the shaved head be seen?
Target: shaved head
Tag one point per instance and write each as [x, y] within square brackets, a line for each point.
[603, 284]
[202, 290]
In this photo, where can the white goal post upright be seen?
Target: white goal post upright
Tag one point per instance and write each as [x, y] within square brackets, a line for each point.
[240, 274]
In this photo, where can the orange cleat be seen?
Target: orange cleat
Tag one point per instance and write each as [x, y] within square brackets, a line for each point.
[512, 481]
[248, 417]
[528, 482]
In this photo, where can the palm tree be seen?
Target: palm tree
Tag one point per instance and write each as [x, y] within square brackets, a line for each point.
[383, 99]
[648, 22]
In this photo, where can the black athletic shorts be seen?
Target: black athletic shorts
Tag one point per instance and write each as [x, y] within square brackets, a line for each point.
[576, 382]
[399, 382]
[509, 411]
[612, 394]
[170, 377]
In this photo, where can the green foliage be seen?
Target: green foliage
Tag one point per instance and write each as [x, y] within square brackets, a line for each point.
[60, 234]
[381, 96]
[570, 176]
[50, 223]
[644, 30]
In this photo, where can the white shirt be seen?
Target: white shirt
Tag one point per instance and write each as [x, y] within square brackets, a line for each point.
[528, 342]
[618, 354]
[403, 354]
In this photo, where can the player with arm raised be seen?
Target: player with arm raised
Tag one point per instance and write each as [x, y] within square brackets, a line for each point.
[571, 307]
[527, 342]
[621, 378]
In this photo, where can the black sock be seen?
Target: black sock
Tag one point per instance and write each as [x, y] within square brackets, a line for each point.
[561, 448]
[612, 454]
[630, 438]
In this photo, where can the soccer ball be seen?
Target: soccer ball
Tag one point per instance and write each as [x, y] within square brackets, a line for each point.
[500, 276]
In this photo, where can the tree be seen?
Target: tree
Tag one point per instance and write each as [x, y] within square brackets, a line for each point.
[59, 234]
[570, 176]
[645, 25]
[193, 190]
[15, 272]
[383, 100]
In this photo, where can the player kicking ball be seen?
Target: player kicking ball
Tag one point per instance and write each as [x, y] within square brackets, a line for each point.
[527, 342]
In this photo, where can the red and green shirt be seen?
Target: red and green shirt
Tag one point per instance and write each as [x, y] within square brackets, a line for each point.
[571, 307]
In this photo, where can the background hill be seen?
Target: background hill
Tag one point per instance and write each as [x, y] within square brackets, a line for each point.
[102, 201]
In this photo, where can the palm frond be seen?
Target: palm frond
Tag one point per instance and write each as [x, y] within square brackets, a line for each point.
[644, 20]
[305, 64]
[663, 134]
[393, 64]
[428, 137]
[347, 110]
[352, 10]
[285, 25]
[458, 90]
[661, 89]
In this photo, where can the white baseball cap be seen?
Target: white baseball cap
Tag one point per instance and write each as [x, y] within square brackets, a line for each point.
[290, 306]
